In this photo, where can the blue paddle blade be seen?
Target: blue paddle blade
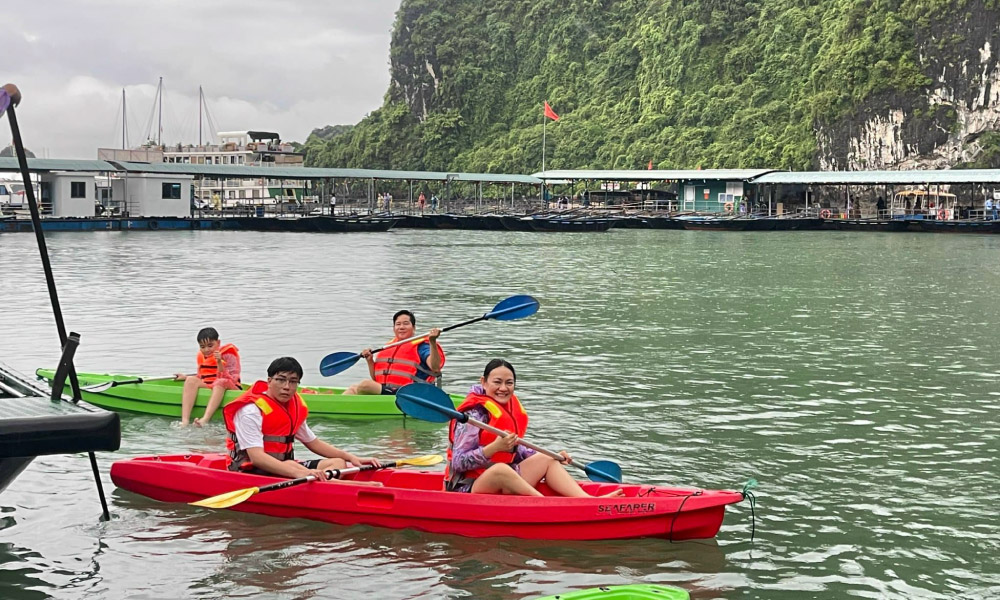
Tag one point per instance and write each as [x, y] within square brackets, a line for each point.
[515, 307]
[604, 471]
[428, 403]
[337, 362]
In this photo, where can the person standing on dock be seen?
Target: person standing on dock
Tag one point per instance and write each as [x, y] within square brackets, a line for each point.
[218, 369]
[421, 201]
[418, 360]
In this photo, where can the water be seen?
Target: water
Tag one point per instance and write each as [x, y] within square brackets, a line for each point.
[853, 374]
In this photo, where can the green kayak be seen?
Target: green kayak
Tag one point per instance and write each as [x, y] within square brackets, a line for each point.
[163, 397]
[625, 592]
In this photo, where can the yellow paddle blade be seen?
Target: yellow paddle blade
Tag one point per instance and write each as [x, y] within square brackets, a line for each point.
[420, 461]
[228, 499]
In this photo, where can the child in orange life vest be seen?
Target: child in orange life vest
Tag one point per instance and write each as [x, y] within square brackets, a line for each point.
[264, 422]
[392, 368]
[483, 463]
[218, 369]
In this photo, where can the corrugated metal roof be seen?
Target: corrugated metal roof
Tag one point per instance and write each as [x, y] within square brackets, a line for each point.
[656, 174]
[54, 164]
[317, 173]
[9, 163]
[883, 177]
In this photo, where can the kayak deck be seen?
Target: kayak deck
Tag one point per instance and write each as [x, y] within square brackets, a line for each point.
[164, 398]
[625, 592]
[415, 499]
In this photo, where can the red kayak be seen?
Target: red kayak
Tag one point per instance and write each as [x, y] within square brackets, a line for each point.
[413, 498]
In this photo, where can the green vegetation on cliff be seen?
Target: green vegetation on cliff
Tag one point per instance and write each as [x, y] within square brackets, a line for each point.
[684, 83]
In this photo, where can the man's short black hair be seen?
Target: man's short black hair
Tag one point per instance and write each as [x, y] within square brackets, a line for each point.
[208, 334]
[413, 320]
[285, 364]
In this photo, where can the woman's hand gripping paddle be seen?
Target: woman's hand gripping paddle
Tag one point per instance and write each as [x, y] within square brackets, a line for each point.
[429, 403]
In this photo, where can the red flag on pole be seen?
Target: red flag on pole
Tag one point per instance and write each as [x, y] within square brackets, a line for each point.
[550, 113]
[650, 167]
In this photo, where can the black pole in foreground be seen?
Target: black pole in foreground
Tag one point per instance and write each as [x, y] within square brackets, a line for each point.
[36, 221]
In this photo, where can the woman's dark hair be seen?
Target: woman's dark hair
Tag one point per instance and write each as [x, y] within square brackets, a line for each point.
[413, 320]
[208, 334]
[497, 363]
[285, 364]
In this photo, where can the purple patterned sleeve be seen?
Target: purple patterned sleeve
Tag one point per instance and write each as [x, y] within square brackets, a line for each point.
[467, 454]
[4, 101]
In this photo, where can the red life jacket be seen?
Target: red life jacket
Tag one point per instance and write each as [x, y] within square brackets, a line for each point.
[399, 365]
[207, 369]
[508, 417]
[281, 421]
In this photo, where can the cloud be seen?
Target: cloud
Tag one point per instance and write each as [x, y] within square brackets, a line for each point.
[286, 66]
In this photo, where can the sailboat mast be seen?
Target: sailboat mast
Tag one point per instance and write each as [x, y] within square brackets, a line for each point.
[124, 120]
[201, 101]
[159, 133]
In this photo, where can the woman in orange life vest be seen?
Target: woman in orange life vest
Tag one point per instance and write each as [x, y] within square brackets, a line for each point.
[392, 368]
[264, 423]
[483, 463]
[218, 369]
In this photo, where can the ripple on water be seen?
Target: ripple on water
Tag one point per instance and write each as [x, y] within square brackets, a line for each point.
[816, 363]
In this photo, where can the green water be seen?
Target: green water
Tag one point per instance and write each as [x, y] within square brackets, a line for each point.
[853, 374]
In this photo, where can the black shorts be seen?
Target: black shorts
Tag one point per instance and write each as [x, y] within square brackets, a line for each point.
[309, 464]
[389, 390]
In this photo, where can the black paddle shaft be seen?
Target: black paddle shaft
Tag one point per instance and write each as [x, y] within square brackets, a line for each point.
[330, 474]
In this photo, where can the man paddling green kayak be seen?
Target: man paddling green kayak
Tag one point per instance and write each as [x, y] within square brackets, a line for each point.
[403, 360]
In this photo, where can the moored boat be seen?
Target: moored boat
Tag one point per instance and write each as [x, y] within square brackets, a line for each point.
[164, 398]
[562, 224]
[415, 499]
[715, 223]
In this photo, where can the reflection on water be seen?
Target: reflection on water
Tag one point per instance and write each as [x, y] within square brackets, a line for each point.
[854, 375]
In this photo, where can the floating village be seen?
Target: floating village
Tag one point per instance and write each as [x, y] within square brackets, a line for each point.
[252, 181]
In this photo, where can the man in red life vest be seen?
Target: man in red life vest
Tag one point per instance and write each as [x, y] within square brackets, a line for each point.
[218, 369]
[418, 361]
[264, 423]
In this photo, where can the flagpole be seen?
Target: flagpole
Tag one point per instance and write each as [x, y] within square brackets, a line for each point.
[545, 204]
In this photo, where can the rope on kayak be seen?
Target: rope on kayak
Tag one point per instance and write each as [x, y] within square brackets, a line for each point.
[680, 507]
[749, 485]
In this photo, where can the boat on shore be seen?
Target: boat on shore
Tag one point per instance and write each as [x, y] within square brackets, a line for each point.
[416, 500]
[164, 398]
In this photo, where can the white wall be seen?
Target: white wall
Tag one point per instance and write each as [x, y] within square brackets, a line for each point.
[60, 190]
[145, 195]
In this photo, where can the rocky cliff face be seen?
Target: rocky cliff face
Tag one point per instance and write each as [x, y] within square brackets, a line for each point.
[827, 84]
[934, 128]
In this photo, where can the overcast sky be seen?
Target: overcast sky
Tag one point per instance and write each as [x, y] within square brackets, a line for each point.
[287, 66]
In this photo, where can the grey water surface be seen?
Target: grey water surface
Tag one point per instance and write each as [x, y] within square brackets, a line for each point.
[855, 375]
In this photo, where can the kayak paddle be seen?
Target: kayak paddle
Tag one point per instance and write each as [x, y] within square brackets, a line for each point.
[429, 403]
[515, 307]
[233, 498]
[107, 385]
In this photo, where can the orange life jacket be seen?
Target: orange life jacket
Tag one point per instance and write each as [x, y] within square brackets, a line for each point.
[281, 421]
[508, 417]
[399, 365]
[207, 369]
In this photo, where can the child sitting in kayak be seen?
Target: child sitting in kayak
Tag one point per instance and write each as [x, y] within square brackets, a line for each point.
[218, 369]
[483, 463]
